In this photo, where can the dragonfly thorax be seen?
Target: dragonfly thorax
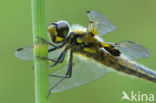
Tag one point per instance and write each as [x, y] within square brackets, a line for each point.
[83, 41]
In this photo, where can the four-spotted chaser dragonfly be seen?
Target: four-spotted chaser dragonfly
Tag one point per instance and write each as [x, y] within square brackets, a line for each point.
[79, 54]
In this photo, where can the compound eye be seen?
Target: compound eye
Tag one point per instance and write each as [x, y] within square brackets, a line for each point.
[62, 28]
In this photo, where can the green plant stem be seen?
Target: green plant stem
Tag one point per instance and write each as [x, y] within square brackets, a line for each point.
[41, 70]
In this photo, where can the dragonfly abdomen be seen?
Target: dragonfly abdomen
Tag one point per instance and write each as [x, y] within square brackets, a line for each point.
[122, 65]
[128, 67]
[133, 68]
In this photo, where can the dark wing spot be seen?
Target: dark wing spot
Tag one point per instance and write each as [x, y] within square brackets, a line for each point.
[91, 22]
[88, 11]
[19, 49]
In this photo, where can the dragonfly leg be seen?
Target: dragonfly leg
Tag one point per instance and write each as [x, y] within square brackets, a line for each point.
[56, 47]
[69, 70]
[47, 41]
[68, 73]
[58, 76]
[52, 49]
[61, 57]
[47, 58]
[59, 60]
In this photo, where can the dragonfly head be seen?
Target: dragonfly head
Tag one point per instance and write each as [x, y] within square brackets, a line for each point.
[58, 31]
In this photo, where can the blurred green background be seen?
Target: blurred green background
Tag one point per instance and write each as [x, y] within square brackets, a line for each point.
[135, 20]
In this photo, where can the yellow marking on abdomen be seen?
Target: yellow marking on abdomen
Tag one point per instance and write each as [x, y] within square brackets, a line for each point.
[140, 71]
[106, 61]
[150, 75]
[131, 65]
[112, 59]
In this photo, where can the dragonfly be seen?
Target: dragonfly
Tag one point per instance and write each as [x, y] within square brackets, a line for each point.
[79, 55]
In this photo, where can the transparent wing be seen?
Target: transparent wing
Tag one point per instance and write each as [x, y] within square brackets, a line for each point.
[133, 50]
[100, 23]
[26, 53]
[83, 72]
